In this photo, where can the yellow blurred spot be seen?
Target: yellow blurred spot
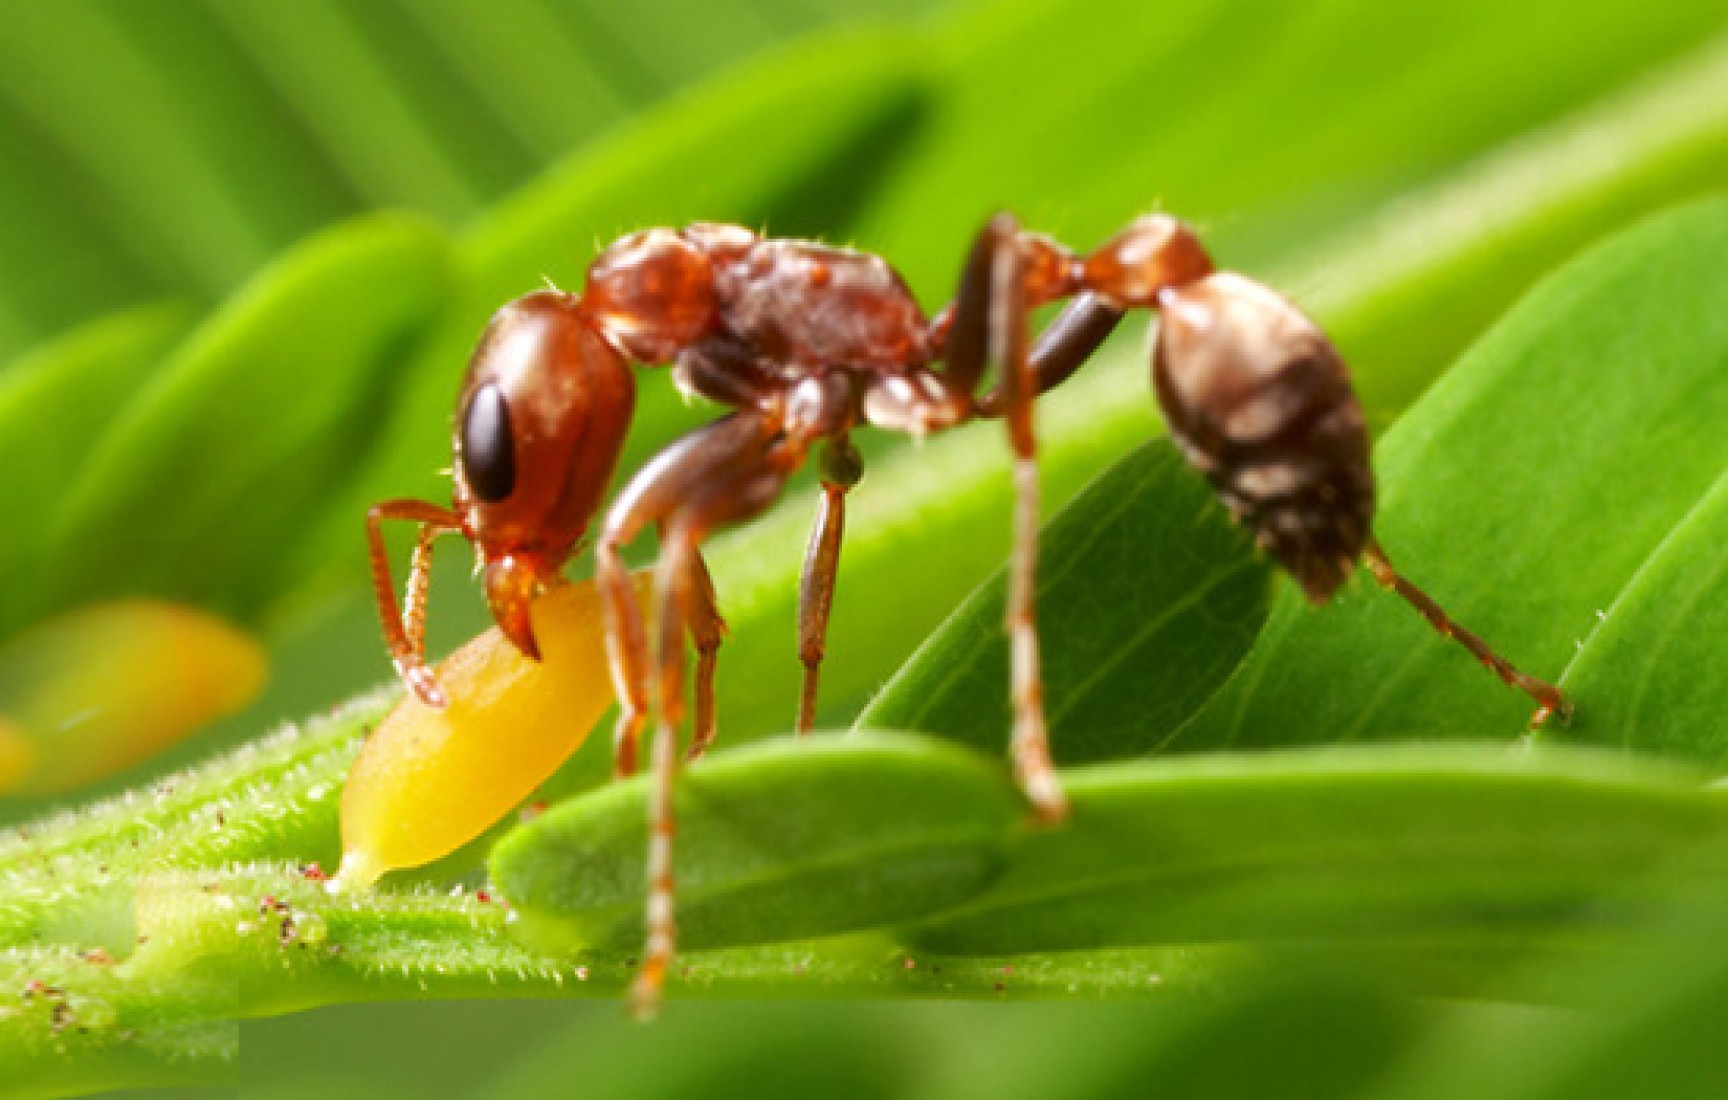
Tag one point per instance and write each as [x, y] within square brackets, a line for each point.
[17, 755]
[428, 781]
[96, 690]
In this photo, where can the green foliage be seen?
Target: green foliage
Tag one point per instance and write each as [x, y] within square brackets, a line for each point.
[1559, 489]
[52, 404]
[833, 836]
[1154, 609]
[1425, 844]
[317, 336]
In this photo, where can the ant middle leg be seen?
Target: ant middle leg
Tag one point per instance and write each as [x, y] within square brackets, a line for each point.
[727, 478]
[707, 631]
[660, 489]
[1548, 698]
[842, 467]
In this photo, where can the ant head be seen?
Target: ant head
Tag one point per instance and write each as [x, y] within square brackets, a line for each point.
[1262, 404]
[539, 424]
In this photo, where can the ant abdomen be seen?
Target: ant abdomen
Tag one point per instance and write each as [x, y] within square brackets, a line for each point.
[1259, 401]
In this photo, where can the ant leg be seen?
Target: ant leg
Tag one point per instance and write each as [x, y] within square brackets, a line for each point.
[842, 467]
[719, 487]
[1548, 698]
[816, 596]
[1078, 331]
[674, 598]
[405, 630]
[626, 649]
[657, 491]
[707, 631]
[419, 583]
[996, 276]
[1031, 736]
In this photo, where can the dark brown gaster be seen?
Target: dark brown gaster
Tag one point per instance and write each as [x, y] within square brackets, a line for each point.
[1261, 404]
[808, 343]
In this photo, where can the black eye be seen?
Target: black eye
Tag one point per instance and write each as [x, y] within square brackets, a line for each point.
[488, 452]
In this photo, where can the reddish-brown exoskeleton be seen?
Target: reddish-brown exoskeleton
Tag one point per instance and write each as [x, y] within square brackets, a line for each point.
[807, 343]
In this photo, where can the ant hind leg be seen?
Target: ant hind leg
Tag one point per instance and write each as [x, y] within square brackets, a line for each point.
[995, 279]
[1548, 698]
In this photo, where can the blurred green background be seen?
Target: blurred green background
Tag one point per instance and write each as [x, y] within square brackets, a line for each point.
[244, 246]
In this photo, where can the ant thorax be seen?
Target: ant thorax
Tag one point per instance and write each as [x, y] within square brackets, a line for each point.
[798, 301]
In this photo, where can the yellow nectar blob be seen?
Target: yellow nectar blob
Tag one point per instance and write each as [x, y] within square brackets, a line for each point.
[428, 781]
[89, 693]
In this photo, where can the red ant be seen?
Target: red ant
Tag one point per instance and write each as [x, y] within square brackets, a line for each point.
[808, 342]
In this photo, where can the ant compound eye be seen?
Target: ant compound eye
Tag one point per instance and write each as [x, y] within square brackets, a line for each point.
[488, 450]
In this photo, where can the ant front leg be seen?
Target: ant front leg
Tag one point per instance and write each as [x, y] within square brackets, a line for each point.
[626, 647]
[405, 629]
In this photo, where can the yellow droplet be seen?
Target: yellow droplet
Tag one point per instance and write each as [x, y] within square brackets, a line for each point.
[91, 692]
[429, 781]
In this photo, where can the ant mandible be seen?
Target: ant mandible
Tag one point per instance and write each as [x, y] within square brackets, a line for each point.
[808, 342]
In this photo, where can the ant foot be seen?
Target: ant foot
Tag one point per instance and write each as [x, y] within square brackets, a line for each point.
[424, 685]
[1560, 707]
[645, 993]
[1044, 791]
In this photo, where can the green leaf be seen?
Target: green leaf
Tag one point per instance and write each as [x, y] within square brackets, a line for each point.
[193, 492]
[85, 1028]
[1390, 843]
[1414, 292]
[944, 507]
[548, 87]
[215, 101]
[71, 878]
[1651, 668]
[57, 265]
[1523, 493]
[319, 59]
[1332, 1039]
[1154, 596]
[173, 204]
[778, 841]
[53, 402]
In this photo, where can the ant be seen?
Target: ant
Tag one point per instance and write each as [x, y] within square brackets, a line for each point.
[808, 342]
